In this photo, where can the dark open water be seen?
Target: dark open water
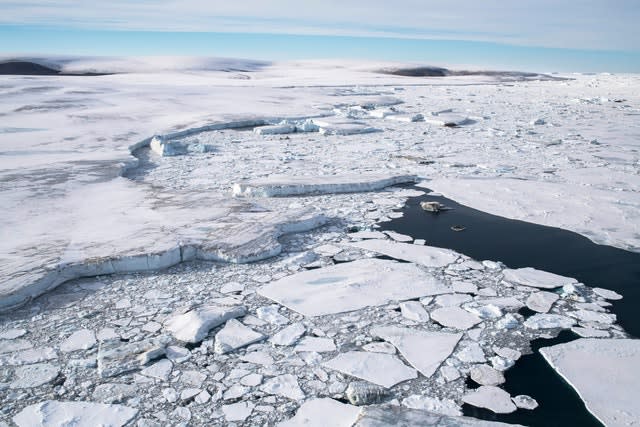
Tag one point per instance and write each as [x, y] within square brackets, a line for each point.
[522, 244]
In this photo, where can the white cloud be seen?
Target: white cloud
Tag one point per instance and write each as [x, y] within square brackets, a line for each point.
[587, 24]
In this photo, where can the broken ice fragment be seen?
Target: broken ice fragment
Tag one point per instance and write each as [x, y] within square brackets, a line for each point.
[427, 256]
[607, 294]
[525, 402]
[284, 385]
[319, 345]
[378, 368]
[237, 411]
[455, 317]
[34, 375]
[82, 339]
[486, 375]
[536, 278]
[424, 350]
[363, 393]
[116, 357]
[322, 413]
[160, 370]
[541, 301]
[235, 335]
[351, 286]
[492, 398]
[413, 310]
[271, 315]
[193, 326]
[432, 404]
[289, 335]
[549, 321]
[52, 413]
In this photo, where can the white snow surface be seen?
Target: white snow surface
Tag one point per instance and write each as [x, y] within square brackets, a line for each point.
[606, 375]
[351, 286]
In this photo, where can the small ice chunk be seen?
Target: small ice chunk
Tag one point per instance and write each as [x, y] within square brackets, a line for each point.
[413, 310]
[52, 413]
[11, 334]
[26, 357]
[541, 301]
[237, 411]
[607, 294]
[34, 375]
[549, 321]
[289, 335]
[193, 326]
[525, 402]
[464, 287]
[319, 345]
[432, 404]
[455, 317]
[115, 357]
[471, 353]
[507, 353]
[449, 373]
[489, 311]
[82, 339]
[231, 287]
[160, 370]
[452, 300]
[378, 368]
[235, 335]
[251, 380]
[508, 321]
[271, 315]
[11, 346]
[593, 316]
[283, 385]
[486, 375]
[322, 413]
[492, 398]
[363, 235]
[536, 278]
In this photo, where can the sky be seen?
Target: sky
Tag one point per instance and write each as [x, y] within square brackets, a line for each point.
[540, 35]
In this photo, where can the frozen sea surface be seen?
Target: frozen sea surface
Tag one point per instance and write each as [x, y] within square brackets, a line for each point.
[84, 195]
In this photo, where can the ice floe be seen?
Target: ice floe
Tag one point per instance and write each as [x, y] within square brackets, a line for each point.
[350, 286]
[275, 186]
[378, 368]
[535, 278]
[427, 256]
[492, 398]
[194, 325]
[424, 350]
[323, 412]
[605, 373]
[52, 413]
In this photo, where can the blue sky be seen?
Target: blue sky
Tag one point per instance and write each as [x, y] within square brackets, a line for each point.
[541, 35]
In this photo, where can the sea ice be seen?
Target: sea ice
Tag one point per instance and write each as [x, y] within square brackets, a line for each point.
[235, 335]
[34, 375]
[52, 413]
[286, 185]
[82, 339]
[319, 345]
[549, 321]
[427, 256]
[605, 373]
[536, 278]
[289, 335]
[541, 301]
[378, 368]
[194, 325]
[424, 350]
[323, 412]
[486, 375]
[351, 286]
[492, 398]
[607, 294]
[414, 310]
[283, 385]
[455, 317]
[432, 404]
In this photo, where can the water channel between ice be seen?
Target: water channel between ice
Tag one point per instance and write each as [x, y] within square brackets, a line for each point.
[521, 244]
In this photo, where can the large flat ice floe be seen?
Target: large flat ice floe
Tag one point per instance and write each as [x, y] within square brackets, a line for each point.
[606, 375]
[275, 186]
[427, 256]
[52, 413]
[351, 286]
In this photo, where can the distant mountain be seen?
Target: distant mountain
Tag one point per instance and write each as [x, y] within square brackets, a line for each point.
[26, 68]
